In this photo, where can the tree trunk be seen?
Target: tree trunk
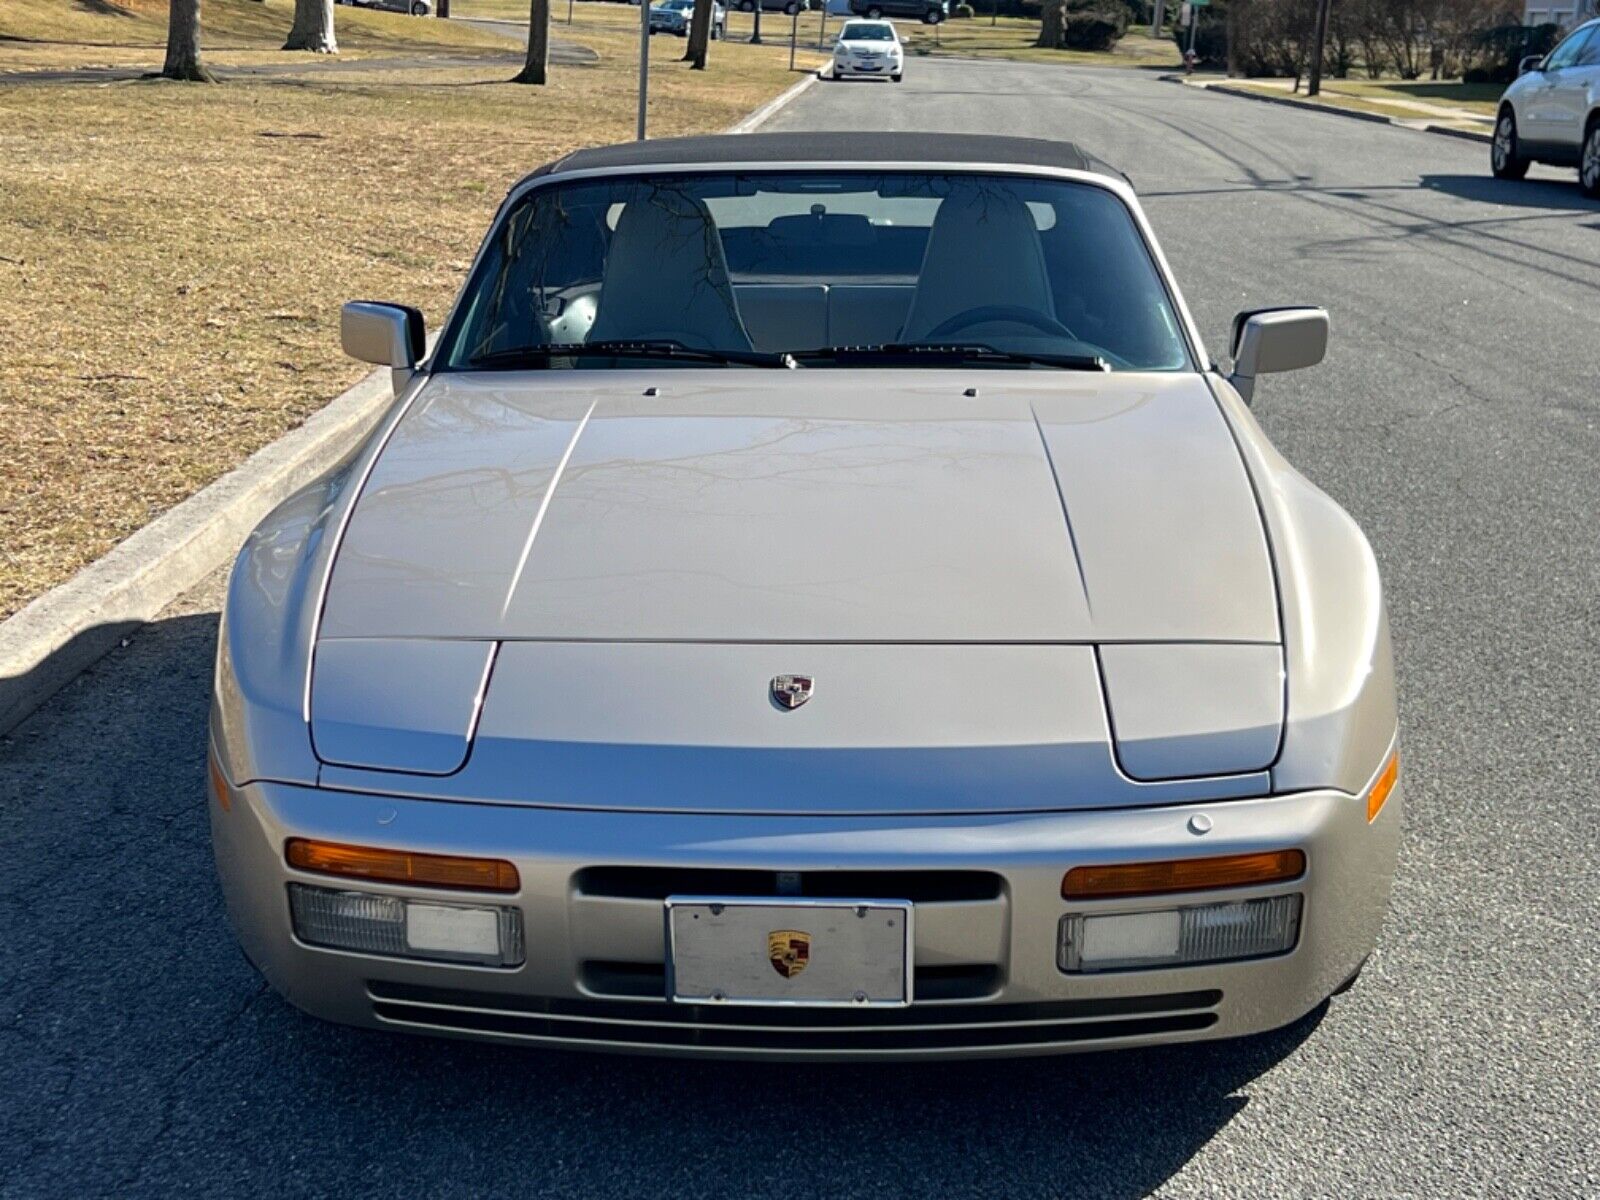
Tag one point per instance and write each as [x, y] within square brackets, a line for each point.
[1235, 22]
[1052, 25]
[1319, 42]
[183, 44]
[699, 35]
[313, 27]
[537, 68]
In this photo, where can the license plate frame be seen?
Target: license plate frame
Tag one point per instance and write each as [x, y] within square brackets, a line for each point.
[698, 974]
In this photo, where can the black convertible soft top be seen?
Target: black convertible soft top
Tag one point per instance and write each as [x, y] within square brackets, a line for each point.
[823, 148]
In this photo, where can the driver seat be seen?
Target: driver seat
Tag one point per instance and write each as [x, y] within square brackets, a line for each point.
[983, 250]
[666, 277]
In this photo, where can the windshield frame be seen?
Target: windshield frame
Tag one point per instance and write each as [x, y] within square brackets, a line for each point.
[450, 332]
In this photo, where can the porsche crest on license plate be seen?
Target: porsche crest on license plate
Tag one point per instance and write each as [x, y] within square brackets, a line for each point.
[788, 950]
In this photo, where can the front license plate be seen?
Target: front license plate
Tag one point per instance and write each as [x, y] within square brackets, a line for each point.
[819, 953]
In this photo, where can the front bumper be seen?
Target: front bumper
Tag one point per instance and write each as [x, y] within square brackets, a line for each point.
[879, 69]
[985, 952]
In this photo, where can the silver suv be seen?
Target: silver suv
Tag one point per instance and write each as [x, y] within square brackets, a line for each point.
[1551, 114]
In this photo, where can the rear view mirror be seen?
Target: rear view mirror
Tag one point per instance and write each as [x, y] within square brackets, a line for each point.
[1533, 62]
[387, 335]
[1270, 340]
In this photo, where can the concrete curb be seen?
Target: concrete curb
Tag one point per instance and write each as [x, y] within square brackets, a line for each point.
[772, 107]
[1421, 124]
[57, 636]
[1466, 135]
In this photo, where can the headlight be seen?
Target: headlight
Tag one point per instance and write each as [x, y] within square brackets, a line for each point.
[370, 923]
[1178, 937]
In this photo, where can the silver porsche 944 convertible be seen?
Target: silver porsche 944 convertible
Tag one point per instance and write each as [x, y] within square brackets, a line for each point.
[817, 598]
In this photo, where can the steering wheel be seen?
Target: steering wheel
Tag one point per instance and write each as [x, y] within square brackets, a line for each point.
[1030, 317]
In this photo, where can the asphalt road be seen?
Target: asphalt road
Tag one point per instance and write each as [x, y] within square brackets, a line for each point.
[1456, 417]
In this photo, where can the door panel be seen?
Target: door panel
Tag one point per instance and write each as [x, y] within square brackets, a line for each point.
[1557, 104]
[1570, 102]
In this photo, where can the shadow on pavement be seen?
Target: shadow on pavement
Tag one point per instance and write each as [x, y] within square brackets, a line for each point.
[144, 1056]
[1522, 193]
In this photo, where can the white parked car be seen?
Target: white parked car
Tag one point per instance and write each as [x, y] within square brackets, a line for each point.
[1551, 114]
[417, 8]
[869, 49]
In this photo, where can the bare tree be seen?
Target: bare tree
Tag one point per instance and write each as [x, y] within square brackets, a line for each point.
[1319, 36]
[1341, 49]
[1053, 25]
[183, 44]
[1277, 37]
[699, 35]
[313, 27]
[1367, 18]
[537, 67]
[1404, 36]
[1236, 23]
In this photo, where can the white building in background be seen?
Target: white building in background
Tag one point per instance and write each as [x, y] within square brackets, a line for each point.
[1557, 12]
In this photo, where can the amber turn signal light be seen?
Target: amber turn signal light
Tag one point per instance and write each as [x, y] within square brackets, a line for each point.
[1182, 875]
[1380, 790]
[219, 782]
[402, 866]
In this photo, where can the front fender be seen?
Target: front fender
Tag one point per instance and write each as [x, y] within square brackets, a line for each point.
[260, 728]
[1341, 712]
[258, 705]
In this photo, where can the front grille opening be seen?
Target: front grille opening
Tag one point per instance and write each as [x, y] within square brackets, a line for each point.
[965, 982]
[778, 1031]
[823, 1030]
[648, 981]
[919, 887]
[644, 981]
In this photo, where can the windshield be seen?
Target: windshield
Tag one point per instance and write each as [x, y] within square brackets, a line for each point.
[867, 33]
[817, 269]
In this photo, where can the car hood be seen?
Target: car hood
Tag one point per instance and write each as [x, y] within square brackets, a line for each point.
[1011, 591]
[807, 506]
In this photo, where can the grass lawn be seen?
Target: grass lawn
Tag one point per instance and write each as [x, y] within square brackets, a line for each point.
[1012, 38]
[173, 256]
[1009, 37]
[1475, 97]
[1406, 99]
[52, 34]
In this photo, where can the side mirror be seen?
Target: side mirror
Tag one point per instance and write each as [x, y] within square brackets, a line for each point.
[1269, 340]
[386, 335]
[1534, 62]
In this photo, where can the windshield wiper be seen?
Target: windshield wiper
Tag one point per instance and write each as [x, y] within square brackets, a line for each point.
[917, 353]
[540, 356]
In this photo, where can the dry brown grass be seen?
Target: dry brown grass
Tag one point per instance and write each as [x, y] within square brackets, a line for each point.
[1379, 99]
[1007, 38]
[171, 266]
[225, 25]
